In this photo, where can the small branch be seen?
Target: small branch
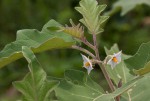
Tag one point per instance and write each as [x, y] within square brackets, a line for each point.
[83, 50]
[96, 61]
[84, 40]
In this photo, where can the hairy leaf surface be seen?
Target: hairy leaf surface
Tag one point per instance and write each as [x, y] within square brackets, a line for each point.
[80, 87]
[35, 86]
[140, 92]
[77, 87]
[91, 11]
[140, 62]
[38, 41]
[128, 5]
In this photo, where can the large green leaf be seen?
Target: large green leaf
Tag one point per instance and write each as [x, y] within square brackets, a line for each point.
[120, 71]
[38, 41]
[140, 62]
[128, 5]
[91, 11]
[79, 87]
[125, 88]
[140, 92]
[35, 86]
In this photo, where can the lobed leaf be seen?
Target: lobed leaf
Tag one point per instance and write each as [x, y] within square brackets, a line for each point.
[35, 86]
[91, 11]
[128, 5]
[80, 87]
[140, 61]
[77, 87]
[37, 41]
[140, 92]
[125, 88]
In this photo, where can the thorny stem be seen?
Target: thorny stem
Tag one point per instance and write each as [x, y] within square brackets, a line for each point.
[83, 50]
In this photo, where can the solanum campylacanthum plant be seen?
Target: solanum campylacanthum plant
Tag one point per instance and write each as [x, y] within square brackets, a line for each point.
[127, 76]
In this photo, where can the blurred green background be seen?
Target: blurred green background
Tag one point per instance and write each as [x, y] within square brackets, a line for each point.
[127, 31]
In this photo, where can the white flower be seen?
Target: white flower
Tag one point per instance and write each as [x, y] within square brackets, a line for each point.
[115, 59]
[87, 63]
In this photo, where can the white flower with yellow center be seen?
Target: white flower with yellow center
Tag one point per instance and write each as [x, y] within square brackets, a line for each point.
[115, 59]
[87, 63]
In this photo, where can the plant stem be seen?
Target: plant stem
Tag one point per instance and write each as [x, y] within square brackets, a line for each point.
[84, 40]
[119, 85]
[118, 98]
[83, 50]
[107, 76]
[96, 47]
[102, 66]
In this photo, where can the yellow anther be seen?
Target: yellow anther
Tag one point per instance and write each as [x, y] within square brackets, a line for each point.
[115, 59]
[87, 64]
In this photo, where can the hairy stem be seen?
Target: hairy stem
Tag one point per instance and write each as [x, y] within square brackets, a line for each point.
[84, 40]
[107, 76]
[102, 66]
[83, 50]
[96, 46]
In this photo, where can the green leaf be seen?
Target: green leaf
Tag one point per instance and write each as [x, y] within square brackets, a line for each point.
[120, 71]
[34, 86]
[144, 70]
[140, 92]
[38, 41]
[77, 87]
[91, 11]
[80, 78]
[140, 61]
[125, 88]
[128, 5]
[137, 93]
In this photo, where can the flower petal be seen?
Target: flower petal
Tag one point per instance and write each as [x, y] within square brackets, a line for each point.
[118, 56]
[87, 60]
[89, 70]
[112, 63]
